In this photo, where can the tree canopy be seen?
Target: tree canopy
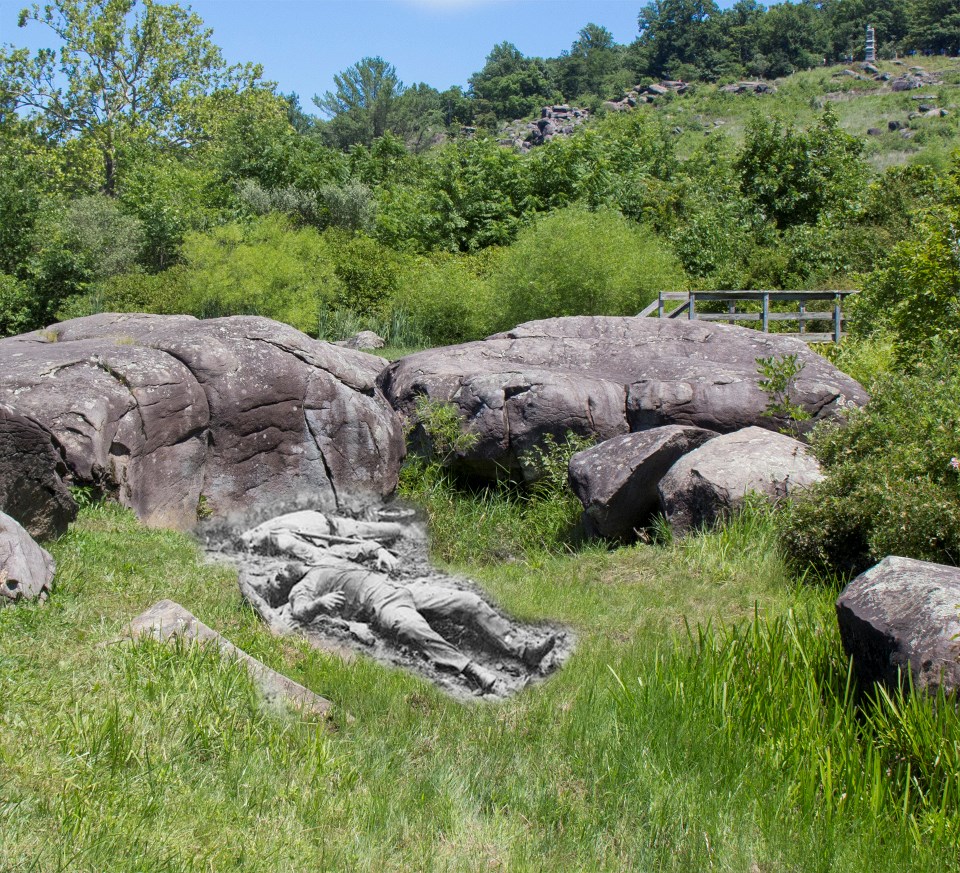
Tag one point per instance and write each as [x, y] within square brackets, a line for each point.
[124, 69]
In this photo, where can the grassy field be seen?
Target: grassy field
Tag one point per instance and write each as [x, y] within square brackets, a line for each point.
[651, 750]
[859, 105]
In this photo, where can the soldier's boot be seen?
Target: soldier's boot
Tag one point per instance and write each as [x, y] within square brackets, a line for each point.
[484, 679]
[534, 653]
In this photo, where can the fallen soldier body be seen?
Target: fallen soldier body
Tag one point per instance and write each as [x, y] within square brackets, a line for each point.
[339, 568]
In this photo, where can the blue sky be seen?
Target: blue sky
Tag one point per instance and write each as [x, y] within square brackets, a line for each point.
[303, 43]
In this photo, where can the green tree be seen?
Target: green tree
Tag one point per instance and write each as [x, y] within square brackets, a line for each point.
[680, 38]
[125, 69]
[793, 176]
[849, 19]
[592, 61]
[363, 106]
[511, 85]
[935, 26]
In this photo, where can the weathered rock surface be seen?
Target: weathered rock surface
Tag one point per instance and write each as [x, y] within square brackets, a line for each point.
[710, 482]
[173, 415]
[605, 376]
[32, 489]
[901, 616]
[26, 570]
[364, 341]
[616, 481]
[167, 620]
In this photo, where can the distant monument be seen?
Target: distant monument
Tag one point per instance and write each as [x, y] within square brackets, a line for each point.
[870, 52]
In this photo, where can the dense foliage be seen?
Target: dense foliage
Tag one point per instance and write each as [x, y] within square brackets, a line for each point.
[893, 479]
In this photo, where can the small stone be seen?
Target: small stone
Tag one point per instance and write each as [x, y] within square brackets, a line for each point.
[26, 570]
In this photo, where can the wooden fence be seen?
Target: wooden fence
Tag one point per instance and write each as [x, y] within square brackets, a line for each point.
[689, 299]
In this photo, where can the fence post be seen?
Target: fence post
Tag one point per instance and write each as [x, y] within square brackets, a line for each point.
[766, 312]
[803, 311]
[836, 319]
[731, 309]
[692, 314]
[660, 305]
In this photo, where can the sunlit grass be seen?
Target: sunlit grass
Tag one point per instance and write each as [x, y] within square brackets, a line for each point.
[649, 750]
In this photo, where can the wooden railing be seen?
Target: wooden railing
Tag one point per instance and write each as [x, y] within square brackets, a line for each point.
[689, 299]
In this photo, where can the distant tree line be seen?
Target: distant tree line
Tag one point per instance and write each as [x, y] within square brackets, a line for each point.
[692, 40]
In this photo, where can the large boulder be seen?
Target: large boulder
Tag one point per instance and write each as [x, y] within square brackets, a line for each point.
[616, 481]
[605, 376]
[709, 483]
[178, 417]
[32, 471]
[26, 570]
[901, 617]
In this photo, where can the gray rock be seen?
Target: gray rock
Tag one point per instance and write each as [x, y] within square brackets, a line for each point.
[874, 131]
[617, 480]
[26, 570]
[32, 489]
[363, 341]
[900, 617]
[869, 68]
[176, 416]
[895, 125]
[167, 620]
[709, 483]
[905, 83]
[604, 376]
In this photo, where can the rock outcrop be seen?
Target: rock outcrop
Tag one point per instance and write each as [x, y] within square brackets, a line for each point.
[166, 621]
[32, 487]
[616, 481]
[560, 120]
[605, 376]
[901, 617]
[178, 417]
[709, 483]
[26, 570]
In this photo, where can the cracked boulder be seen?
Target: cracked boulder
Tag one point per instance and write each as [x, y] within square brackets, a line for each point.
[26, 570]
[179, 418]
[32, 471]
[616, 481]
[605, 376]
[901, 618]
[711, 482]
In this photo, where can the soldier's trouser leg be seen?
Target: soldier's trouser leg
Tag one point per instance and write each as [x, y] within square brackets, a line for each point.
[466, 607]
[397, 614]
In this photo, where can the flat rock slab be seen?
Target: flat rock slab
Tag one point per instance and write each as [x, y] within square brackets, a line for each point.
[709, 483]
[616, 481]
[32, 471]
[168, 620]
[605, 376]
[26, 569]
[179, 418]
[903, 616]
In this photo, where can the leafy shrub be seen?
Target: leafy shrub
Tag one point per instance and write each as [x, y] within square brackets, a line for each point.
[793, 176]
[349, 206]
[575, 262]
[368, 273]
[78, 244]
[16, 306]
[288, 200]
[915, 294]
[890, 486]
[161, 293]
[448, 297]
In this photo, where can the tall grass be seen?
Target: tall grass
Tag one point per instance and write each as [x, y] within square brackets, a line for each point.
[727, 748]
[782, 692]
